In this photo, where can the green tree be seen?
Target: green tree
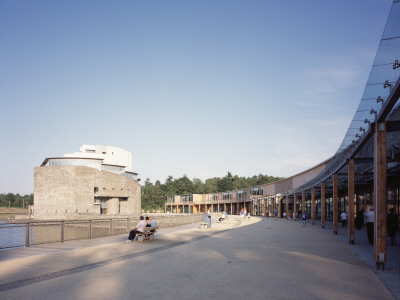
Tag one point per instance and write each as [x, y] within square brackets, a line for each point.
[226, 183]
[211, 185]
[10, 198]
[16, 200]
[198, 186]
[169, 187]
[184, 185]
[147, 195]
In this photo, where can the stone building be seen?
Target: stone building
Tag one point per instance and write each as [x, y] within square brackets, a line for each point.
[97, 180]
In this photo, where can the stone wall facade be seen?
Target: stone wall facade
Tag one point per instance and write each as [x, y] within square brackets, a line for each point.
[63, 192]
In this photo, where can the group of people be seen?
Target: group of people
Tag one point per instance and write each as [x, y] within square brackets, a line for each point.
[139, 229]
[367, 217]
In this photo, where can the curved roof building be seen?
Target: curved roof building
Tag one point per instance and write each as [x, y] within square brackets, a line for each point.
[364, 172]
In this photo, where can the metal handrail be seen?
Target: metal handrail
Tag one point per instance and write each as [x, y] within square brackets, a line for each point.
[27, 233]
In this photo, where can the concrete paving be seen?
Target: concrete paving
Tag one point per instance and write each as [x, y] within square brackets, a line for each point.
[257, 259]
[390, 276]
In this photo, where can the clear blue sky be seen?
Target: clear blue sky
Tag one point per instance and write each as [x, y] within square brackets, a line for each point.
[189, 87]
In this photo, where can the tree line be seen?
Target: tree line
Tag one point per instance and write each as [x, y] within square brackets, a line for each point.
[16, 200]
[155, 195]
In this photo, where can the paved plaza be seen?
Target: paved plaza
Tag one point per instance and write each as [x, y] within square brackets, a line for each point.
[238, 259]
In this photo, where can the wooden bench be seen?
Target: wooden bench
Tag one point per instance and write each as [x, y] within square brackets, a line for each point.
[147, 232]
[203, 225]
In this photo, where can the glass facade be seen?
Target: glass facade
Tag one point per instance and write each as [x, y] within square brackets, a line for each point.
[187, 198]
[113, 169]
[129, 175]
[258, 190]
[242, 194]
[91, 163]
[227, 196]
[382, 72]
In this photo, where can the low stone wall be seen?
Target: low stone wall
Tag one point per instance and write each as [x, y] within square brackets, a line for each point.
[169, 220]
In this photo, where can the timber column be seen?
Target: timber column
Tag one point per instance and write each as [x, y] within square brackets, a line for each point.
[312, 206]
[323, 217]
[350, 199]
[335, 203]
[380, 194]
[280, 207]
[294, 207]
[303, 203]
[287, 206]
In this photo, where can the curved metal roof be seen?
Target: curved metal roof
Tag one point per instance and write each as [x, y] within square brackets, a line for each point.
[384, 74]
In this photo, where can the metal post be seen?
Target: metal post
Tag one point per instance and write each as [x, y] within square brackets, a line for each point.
[26, 234]
[62, 231]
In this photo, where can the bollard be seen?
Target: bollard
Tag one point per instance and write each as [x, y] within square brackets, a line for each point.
[26, 234]
[62, 231]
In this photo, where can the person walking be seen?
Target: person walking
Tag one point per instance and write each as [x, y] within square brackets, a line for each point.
[344, 218]
[369, 220]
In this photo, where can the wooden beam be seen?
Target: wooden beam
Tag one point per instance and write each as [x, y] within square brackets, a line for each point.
[335, 203]
[303, 202]
[294, 207]
[287, 206]
[350, 200]
[323, 201]
[312, 206]
[380, 194]
[280, 207]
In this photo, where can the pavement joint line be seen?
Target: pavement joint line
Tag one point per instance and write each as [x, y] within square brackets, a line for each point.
[58, 274]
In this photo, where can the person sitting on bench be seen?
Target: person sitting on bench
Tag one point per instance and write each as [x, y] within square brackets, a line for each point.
[138, 229]
[148, 224]
[153, 223]
[222, 217]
